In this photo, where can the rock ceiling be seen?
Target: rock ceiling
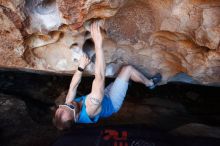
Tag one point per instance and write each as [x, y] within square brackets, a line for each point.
[178, 38]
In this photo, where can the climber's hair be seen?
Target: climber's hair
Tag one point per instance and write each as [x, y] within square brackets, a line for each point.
[60, 124]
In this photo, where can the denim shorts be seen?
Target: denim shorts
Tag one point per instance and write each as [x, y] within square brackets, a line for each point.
[116, 91]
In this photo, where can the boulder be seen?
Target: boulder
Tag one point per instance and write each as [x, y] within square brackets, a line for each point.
[197, 130]
[19, 128]
[171, 37]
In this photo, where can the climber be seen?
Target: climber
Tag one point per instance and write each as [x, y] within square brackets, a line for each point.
[100, 102]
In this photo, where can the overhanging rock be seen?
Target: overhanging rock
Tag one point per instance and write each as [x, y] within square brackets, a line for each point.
[179, 39]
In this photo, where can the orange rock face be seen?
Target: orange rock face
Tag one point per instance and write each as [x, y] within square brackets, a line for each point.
[11, 39]
[179, 39]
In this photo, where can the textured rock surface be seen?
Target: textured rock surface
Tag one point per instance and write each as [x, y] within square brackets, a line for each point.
[10, 41]
[171, 37]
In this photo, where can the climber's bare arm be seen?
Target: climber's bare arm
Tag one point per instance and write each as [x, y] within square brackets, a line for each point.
[94, 99]
[83, 62]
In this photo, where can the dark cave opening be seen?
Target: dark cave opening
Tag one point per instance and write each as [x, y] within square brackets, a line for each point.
[165, 108]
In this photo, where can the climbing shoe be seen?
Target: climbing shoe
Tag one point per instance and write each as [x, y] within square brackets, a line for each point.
[156, 79]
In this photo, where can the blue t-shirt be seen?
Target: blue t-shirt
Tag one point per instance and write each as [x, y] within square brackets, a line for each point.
[106, 111]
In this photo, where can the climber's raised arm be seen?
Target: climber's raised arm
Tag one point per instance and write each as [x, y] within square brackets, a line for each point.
[95, 98]
[83, 62]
